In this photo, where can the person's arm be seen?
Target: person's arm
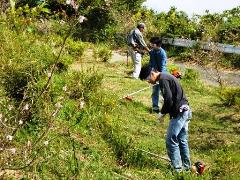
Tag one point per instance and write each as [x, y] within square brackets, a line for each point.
[167, 96]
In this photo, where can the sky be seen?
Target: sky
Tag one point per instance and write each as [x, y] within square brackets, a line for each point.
[192, 6]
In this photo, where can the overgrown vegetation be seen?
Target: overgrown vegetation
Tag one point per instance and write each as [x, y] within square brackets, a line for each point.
[102, 53]
[57, 122]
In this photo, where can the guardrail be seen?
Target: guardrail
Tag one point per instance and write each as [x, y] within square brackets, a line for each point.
[225, 48]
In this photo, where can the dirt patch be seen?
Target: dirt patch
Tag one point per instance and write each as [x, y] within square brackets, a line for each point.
[210, 75]
[207, 74]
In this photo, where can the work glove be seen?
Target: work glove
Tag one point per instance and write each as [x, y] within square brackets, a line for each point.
[160, 117]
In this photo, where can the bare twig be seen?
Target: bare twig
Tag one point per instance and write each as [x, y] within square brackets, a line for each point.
[51, 74]
[76, 168]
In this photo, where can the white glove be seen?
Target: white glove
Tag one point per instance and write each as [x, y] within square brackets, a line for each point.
[160, 117]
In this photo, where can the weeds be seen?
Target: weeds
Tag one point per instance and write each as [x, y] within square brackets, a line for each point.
[102, 53]
[230, 96]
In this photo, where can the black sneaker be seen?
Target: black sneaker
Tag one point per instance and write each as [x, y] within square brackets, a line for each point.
[155, 111]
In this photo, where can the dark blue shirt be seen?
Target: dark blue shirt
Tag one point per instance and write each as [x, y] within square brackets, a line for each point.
[173, 94]
[158, 60]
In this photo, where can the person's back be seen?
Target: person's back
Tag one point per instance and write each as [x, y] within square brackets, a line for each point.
[173, 94]
[135, 39]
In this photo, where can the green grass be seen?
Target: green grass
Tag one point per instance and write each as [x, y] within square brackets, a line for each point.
[105, 143]
[104, 139]
[213, 132]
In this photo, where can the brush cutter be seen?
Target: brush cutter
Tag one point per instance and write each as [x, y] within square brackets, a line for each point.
[129, 97]
[197, 168]
[155, 155]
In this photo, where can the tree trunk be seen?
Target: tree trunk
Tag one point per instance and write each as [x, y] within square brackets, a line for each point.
[4, 4]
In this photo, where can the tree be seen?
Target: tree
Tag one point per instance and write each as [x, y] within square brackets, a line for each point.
[4, 4]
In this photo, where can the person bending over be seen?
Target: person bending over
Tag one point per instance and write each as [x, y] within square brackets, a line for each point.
[177, 106]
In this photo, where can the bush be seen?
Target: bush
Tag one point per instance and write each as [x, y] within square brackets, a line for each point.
[75, 48]
[230, 96]
[103, 53]
[82, 84]
[15, 81]
[22, 60]
[191, 74]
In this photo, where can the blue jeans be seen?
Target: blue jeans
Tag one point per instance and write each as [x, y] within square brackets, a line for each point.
[155, 97]
[177, 141]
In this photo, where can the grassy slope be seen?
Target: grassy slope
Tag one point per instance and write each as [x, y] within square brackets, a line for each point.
[213, 131]
[106, 142]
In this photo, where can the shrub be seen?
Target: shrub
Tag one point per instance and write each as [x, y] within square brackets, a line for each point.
[22, 61]
[191, 74]
[75, 48]
[230, 96]
[103, 53]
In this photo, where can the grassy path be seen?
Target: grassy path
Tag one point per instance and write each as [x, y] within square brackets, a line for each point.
[213, 133]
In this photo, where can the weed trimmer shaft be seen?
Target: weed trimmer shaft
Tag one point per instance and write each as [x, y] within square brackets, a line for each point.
[129, 97]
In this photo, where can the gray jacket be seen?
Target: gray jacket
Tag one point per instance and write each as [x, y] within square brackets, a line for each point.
[135, 38]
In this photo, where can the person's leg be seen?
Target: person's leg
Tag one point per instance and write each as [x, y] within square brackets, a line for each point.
[172, 141]
[132, 54]
[137, 64]
[183, 142]
[155, 98]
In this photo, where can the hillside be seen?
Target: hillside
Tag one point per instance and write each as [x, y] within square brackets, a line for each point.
[62, 112]
[106, 142]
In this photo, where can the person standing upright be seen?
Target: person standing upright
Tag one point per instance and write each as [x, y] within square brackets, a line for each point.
[158, 62]
[137, 45]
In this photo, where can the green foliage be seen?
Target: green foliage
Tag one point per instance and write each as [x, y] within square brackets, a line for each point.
[191, 75]
[75, 48]
[234, 60]
[100, 18]
[23, 60]
[82, 85]
[228, 31]
[15, 81]
[230, 96]
[132, 5]
[102, 53]
[179, 25]
[26, 63]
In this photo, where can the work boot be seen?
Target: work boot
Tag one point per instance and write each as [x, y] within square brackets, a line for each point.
[155, 111]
